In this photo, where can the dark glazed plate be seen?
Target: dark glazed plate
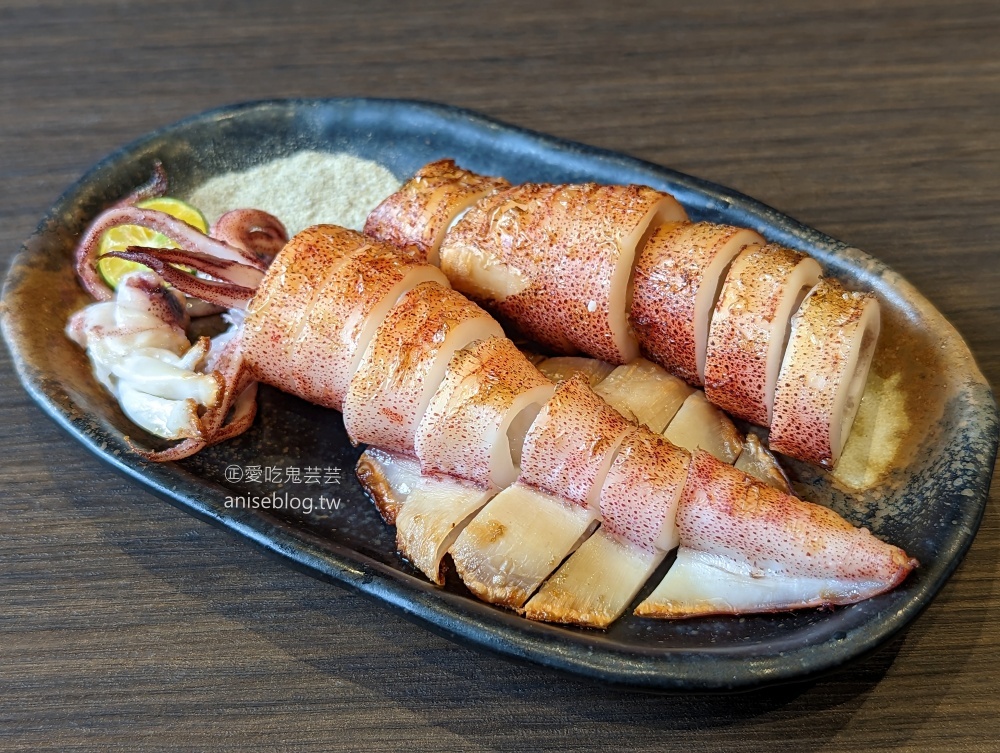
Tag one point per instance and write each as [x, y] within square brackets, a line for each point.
[930, 504]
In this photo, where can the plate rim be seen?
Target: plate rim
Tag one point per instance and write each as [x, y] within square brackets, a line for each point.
[447, 613]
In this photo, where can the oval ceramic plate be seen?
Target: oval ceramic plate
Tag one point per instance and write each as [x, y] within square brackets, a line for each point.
[929, 438]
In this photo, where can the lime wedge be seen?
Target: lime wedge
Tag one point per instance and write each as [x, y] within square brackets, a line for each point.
[120, 238]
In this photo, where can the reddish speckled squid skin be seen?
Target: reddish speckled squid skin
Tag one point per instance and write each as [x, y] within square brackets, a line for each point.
[571, 444]
[406, 361]
[306, 324]
[416, 217]
[724, 511]
[746, 339]
[813, 396]
[463, 432]
[675, 285]
[642, 489]
[567, 254]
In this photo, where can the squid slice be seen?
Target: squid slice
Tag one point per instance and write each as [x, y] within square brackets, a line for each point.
[475, 424]
[349, 308]
[416, 217]
[700, 584]
[561, 368]
[746, 341]
[429, 511]
[557, 261]
[678, 278]
[644, 392]
[596, 584]
[287, 293]
[700, 425]
[571, 445]
[757, 461]
[319, 306]
[406, 361]
[432, 518]
[640, 495]
[514, 543]
[741, 532]
[389, 478]
[824, 373]
[638, 510]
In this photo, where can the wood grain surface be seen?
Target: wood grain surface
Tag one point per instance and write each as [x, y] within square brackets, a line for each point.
[127, 625]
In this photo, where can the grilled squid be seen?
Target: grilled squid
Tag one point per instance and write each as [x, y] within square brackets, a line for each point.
[552, 501]
[750, 328]
[614, 270]
[678, 278]
[747, 547]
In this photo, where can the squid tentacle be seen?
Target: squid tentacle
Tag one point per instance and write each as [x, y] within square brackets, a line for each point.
[155, 187]
[255, 231]
[178, 231]
[238, 397]
[220, 269]
[223, 293]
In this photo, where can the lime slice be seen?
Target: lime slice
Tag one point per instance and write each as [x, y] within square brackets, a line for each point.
[121, 237]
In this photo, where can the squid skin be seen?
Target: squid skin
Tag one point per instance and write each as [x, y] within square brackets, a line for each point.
[571, 445]
[822, 377]
[418, 215]
[803, 554]
[475, 423]
[407, 360]
[676, 285]
[570, 291]
[747, 336]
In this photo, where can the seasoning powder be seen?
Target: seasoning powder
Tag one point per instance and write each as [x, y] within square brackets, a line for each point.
[303, 189]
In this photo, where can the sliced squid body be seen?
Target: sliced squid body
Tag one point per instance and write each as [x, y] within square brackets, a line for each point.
[644, 392]
[595, 586]
[389, 478]
[638, 510]
[432, 519]
[418, 215]
[505, 553]
[523, 534]
[748, 547]
[641, 491]
[570, 447]
[750, 328]
[557, 261]
[678, 278]
[406, 361]
[319, 306]
[824, 372]
[477, 419]
[700, 425]
[429, 511]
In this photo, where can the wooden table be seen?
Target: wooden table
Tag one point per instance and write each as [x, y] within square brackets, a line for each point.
[129, 625]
